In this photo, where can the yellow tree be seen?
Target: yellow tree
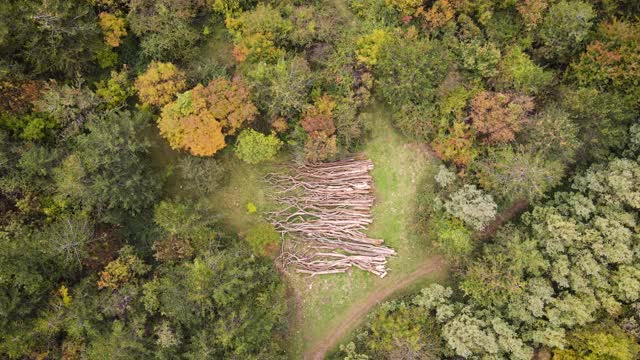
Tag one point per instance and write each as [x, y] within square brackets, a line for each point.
[160, 83]
[200, 118]
[113, 28]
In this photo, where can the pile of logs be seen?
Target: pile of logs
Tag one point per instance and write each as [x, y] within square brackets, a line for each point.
[324, 214]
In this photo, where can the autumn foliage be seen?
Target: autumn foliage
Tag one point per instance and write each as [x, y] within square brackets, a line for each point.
[611, 61]
[113, 28]
[122, 270]
[532, 11]
[498, 117]
[456, 145]
[200, 118]
[317, 121]
[160, 83]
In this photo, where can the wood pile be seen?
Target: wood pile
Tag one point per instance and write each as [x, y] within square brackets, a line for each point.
[324, 214]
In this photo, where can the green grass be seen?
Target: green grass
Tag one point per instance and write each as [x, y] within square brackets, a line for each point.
[242, 186]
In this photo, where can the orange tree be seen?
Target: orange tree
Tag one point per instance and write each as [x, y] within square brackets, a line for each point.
[499, 117]
[200, 118]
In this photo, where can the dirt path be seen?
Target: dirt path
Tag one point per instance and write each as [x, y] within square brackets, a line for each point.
[360, 309]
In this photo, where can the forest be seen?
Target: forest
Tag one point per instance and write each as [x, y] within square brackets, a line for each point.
[320, 179]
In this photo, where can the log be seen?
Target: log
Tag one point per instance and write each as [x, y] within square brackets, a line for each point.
[325, 212]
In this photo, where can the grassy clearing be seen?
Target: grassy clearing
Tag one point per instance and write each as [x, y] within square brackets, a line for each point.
[399, 168]
[242, 186]
[322, 302]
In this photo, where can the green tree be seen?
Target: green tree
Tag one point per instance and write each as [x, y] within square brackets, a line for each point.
[235, 300]
[409, 70]
[70, 106]
[114, 176]
[199, 176]
[472, 206]
[254, 147]
[564, 29]
[62, 37]
[281, 89]
[116, 90]
[518, 72]
[603, 120]
[165, 27]
[518, 174]
[604, 341]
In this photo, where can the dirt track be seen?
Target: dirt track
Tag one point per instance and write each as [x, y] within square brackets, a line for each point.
[360, 309]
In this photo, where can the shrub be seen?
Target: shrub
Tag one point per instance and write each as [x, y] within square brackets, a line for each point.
[254, 147]
[453, 238]
[262, 236]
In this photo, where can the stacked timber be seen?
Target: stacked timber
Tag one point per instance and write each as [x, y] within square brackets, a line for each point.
[324, 215]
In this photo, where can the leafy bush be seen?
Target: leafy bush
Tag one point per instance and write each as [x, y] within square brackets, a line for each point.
[453, 238]
[254, 147]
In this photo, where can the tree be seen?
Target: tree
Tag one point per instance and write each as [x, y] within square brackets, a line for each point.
[317, 121]
[518, 174]
[113, 28]
[200, 118]
[453, 238]
[417, 121]
[187, 224]
[610, 60]
[70, 237]
[109, 171]
[160, 83]
[406, 7]
[456, 145]
[116, 90]
[409, 70]
[235, 302]
[472, 206]
[259, 34]
[564, 29]
[532, 12]
[280, 89]
[122, 270]
[603, 119]
[254, 147]
[370, 46]
[552, 133]
[518, 72]
[70, 106]
[604, 341]
[200, 176]
[401, 331]
[499, 117]
[165, 27]
[62, 37]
